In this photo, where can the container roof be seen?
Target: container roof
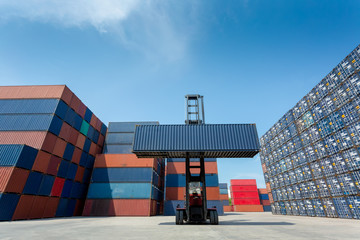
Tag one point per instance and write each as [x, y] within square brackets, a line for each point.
[203, 140]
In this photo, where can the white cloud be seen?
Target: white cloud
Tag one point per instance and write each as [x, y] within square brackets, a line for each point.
[155, 28]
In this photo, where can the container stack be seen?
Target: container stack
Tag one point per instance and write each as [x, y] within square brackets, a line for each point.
[264, 199]
[48, 143]
[122, 184]
[245, 195]
[310, 157]
[175, 184]
[224, 197]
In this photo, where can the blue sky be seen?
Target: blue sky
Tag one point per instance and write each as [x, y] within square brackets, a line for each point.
[132, 60]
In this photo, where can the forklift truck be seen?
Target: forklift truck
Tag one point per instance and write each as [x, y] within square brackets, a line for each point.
[195, 210]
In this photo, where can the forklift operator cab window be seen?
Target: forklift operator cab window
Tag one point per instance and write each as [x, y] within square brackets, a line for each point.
[195, 187]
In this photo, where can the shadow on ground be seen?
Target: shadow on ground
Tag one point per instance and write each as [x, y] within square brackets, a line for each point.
[237, 222]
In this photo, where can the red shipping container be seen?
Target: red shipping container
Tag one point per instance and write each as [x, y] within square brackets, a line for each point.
[265, 202]
[245, 195]
[243, 182]
[38, 207]
[242, 188]
[53, 165]
[57, 187]
[51, 207]
[245, 201]
[88, 207]
[248, 208]
[23, 208]
[93, 121]
[41, 162]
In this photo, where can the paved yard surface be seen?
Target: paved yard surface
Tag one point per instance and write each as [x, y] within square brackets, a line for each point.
[232, 226]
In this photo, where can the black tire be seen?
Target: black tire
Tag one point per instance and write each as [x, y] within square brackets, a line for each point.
[216, 218]
[179, 218]
[212, 217]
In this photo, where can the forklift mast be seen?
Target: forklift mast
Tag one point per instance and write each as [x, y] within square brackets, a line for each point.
[195, 115]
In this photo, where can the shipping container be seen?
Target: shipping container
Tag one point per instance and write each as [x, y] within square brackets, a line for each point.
[170, 206]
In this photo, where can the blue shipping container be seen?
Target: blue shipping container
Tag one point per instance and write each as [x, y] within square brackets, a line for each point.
[120, 190]
[264, 196]
[213, 140]
[21, 156]
[178, 180]
[122, 175]
[8, 203]
[33, 183]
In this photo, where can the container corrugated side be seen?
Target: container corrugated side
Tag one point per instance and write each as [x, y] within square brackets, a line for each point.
[120, 190]
[8, 203]
[127, 127]
[17, 155]
[213, 140]
[122, 175]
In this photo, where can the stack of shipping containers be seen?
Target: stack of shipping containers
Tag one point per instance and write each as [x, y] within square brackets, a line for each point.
[175, 184]
[122, 184]
[310, 157]
[224, 197]
[264, 199]
[48, 143]
[245, 196]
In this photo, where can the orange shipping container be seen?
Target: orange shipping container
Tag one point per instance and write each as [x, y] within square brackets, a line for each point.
[44, 91]
[41, 162]
[38, 208]
[265, 202]
[51, 207]
[224, 197]
[227, 208]
[122, 160]
[178, 193]
[23, 208]
[132, 207]
[248, 208]
[32, 139]
[264, 167]
[263, 191]
[12, 179]
[268, 188]
[179, 167]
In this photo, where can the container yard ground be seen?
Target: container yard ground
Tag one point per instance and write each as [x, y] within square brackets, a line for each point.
[232, 226]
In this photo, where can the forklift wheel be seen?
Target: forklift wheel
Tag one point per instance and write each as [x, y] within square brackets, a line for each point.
[216, 218]
[179, 217]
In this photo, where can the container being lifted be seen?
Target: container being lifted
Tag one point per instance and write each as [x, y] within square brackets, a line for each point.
[196, 139]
